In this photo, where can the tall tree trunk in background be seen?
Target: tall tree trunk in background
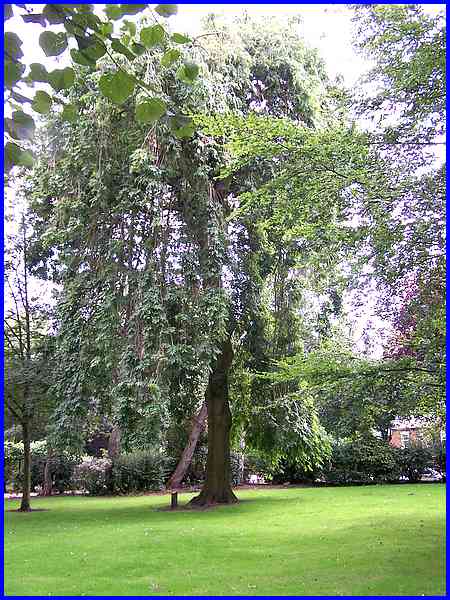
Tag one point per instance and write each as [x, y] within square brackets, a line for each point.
[48, 482]
[217, 488]
[26, 482]
[198, 424]
[114, 443]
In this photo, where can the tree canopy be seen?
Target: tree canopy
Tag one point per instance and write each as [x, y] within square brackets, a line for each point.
[203, 232]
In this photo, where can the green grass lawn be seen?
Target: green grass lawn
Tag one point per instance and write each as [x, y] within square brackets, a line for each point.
[375, 540]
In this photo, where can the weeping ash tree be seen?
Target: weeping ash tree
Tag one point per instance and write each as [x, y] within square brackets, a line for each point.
[153, 260]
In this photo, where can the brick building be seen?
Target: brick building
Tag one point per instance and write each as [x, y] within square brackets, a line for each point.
[406, 431]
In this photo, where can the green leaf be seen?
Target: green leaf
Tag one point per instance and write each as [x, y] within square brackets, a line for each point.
[84, 8]
[118, 86]
[152, 36]
[114, 12]
[192, 70]
[79, 58]
[166, 10]
[181, 126]
[132, 9]
[92, 21]
[12, 43]
[70, 113]
[105, 29]
[119, 47]
[53, 44]
[14, 155]
[138, 49]
[170, 57]
[54, 13]
[94, 51]
[74, 29]
[129, 26]
[186, 131]
[179, 38]
[22, 126]
[84, 41]
[12, 72]
[150, 110]
[61, 79]
[7, 12]
[188, 72]
[38, 72]
[42, 102]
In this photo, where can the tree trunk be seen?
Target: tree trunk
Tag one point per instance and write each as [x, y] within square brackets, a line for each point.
[217, 488]
[198, 424]
[114, 443]
[26, 482]
[48, 483]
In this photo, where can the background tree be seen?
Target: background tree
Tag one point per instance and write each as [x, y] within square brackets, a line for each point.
[27, 348]
[142, 239]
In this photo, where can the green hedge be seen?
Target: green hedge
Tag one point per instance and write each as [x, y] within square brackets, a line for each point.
[413, 460]
[363, 460]
[61, 466]
[127, 474]
[371, 460]
[140, 472]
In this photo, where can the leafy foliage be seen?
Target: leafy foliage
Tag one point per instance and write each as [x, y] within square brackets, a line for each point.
[413, 460]
[409, 49]
[93, 475]
[362, 460]
[95, 38]
[139, 472]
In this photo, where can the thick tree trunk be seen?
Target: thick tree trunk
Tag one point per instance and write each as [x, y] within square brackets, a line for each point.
[48, 482]
[26, 482]
[217, 488]
[114, 443]
[198, 423]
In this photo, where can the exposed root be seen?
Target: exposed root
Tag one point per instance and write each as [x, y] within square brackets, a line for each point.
[207, 498]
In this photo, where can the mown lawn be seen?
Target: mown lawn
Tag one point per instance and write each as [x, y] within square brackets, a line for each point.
[375, 540]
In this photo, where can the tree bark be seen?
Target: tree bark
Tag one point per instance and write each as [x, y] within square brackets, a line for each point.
[26, 482]
[217, 488]
[198, 424]
[48, 483]
[114, 443]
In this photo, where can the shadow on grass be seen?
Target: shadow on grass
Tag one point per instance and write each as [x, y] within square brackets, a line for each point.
[87, 510]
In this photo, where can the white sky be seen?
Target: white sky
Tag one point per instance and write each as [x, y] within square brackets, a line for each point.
[326, 27]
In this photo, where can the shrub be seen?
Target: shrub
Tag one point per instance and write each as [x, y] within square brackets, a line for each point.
[362, 460]
[257, 464]
[93, 475]
[290, 471]
[12, 465]
[140, 472]
[413, 460]
[61, 468]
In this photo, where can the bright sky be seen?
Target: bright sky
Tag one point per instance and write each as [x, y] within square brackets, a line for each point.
[326, 27]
